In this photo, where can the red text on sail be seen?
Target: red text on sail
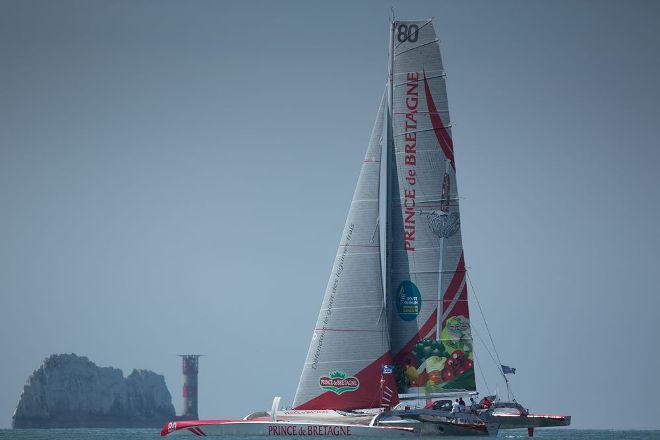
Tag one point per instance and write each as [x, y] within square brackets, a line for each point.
[410, 160]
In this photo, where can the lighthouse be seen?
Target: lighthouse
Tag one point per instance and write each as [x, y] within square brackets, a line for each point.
[190, 369]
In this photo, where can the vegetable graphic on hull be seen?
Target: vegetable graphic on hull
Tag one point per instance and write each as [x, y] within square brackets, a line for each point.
[338, 383]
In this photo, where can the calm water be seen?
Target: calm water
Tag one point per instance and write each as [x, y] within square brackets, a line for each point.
[152, 434]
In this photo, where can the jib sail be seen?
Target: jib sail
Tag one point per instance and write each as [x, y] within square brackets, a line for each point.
[350, 343]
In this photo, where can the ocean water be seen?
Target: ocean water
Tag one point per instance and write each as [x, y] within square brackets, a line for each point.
[153, 434]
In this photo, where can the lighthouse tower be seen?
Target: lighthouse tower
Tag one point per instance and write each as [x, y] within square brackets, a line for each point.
[190, 368]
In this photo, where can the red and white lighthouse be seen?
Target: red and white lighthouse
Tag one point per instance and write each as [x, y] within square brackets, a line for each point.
[190, 369]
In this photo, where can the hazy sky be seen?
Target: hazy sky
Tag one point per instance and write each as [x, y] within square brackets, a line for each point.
[175, 176]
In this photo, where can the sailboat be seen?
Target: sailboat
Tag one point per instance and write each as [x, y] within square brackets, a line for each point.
[392, 347]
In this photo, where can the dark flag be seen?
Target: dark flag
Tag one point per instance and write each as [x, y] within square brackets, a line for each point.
[508, 370]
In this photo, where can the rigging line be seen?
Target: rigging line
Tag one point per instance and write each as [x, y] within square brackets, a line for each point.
[422, 113]
[490, 335]
[420, 131]
[426, 200]
[360, 245]
[338, 361]
[443, 74]
[432, 149]
[349, 307]
[416, 47]
[482, 375]
[476, 333]
[361, 330]
[417, 249]
[376, 230]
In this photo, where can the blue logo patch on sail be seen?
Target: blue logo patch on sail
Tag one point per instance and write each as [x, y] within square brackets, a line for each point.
[387, 369]
[408, 301]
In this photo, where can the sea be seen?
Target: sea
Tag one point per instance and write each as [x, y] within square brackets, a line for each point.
[153, 434]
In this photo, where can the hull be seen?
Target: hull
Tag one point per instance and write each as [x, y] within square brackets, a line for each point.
[266, 428]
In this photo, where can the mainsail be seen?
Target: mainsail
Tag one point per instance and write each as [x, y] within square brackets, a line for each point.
[350, 343]
[428, 310]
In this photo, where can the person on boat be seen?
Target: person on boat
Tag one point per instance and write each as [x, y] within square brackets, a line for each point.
[473, 406]
[486, 403]
[455, 406]
[461, 404]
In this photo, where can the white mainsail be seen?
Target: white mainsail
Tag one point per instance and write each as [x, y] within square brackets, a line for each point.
[429, 319]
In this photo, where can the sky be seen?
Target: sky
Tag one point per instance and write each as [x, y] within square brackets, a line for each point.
[175, 176]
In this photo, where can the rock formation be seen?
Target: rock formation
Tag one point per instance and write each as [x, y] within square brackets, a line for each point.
[69, 391]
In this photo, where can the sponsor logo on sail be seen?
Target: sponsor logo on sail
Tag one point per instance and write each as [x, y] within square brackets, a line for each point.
[441, 224]
[408, 300]
[338, 383]
[410, 161]
[458, 324]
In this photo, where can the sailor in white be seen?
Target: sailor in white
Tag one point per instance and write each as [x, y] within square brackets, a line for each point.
[455, 406]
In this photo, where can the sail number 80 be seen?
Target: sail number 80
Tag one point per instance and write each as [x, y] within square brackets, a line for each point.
[407, 33]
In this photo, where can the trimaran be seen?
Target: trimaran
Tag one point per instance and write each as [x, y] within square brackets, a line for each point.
[392, 346]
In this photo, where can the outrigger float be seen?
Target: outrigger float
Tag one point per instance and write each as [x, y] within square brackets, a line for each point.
[393, 342]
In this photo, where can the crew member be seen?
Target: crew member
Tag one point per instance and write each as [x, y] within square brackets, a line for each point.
[473, 406]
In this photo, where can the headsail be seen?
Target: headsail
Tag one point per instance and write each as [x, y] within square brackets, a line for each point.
[429, 320]
[350, 343]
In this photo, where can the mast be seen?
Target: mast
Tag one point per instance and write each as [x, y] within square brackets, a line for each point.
[391, 71]
[385, 175]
